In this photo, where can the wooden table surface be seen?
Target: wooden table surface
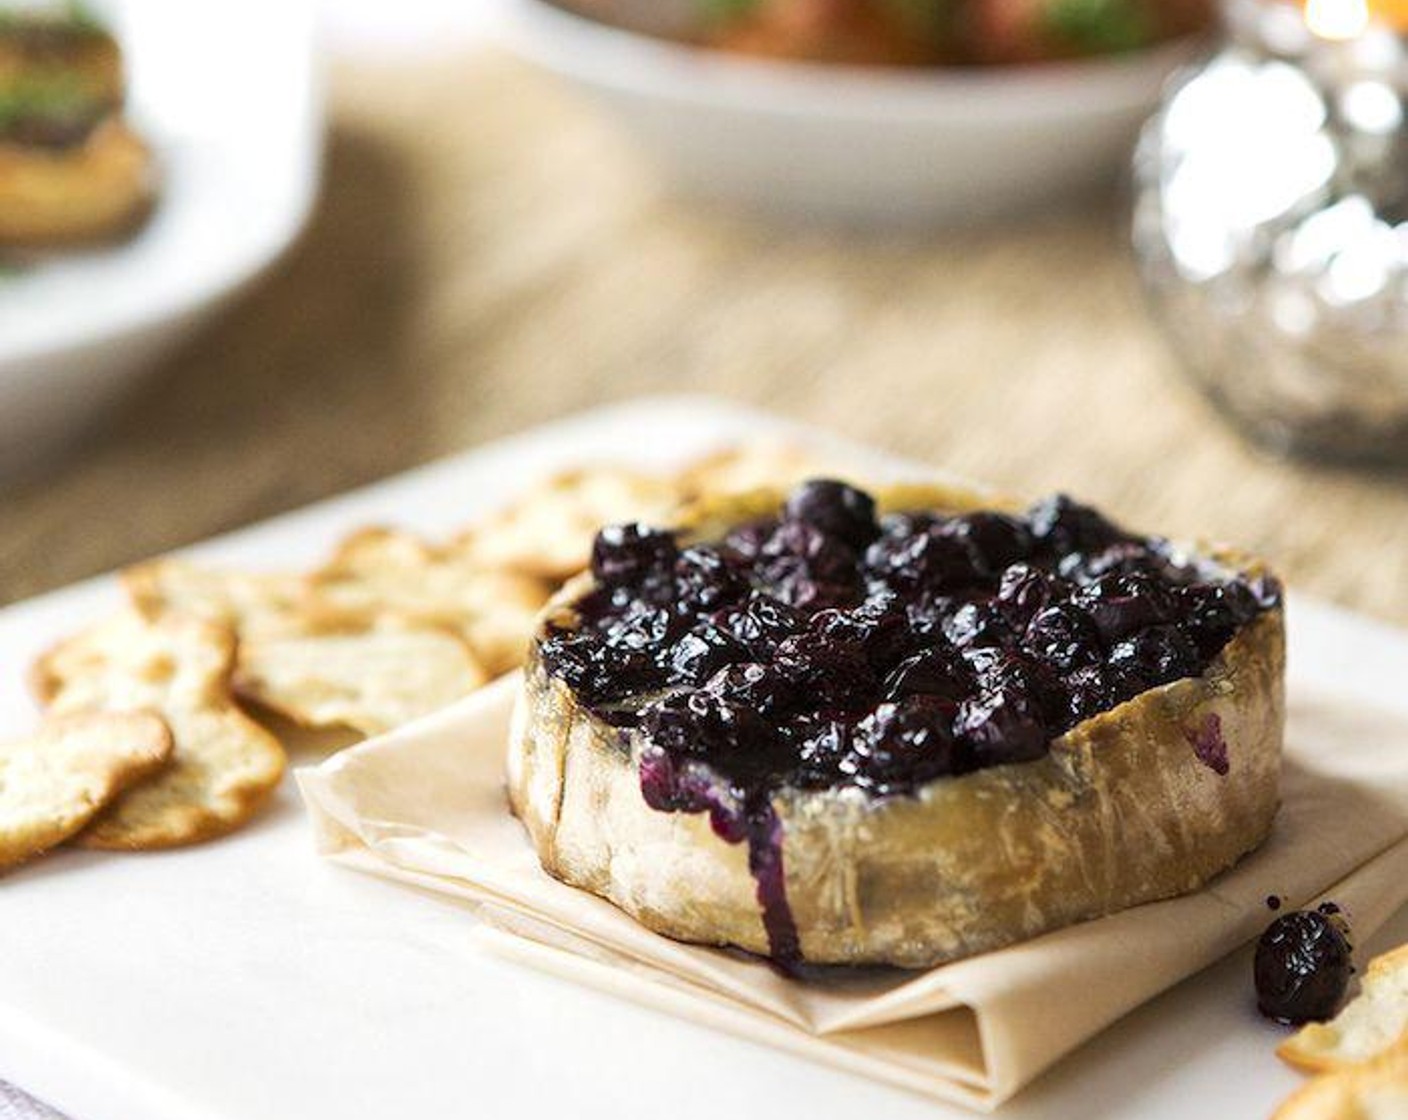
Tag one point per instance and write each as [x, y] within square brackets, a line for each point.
[489, 254]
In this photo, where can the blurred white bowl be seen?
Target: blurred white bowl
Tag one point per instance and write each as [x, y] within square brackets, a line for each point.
[227, 93]
[868, 146]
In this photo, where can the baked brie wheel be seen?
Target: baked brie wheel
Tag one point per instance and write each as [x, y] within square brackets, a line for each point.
[900, 730]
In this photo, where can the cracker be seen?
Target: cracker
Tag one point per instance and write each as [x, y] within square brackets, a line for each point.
[250, 602]
[378, 571]
[548, 531]
[369, 680]
[761, 465]
[1373, 1022]
[320, 649]
[55, 781]
[1372, 1090]
[224, 766]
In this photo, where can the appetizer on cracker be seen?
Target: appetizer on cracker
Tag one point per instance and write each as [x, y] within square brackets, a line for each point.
[72, 170]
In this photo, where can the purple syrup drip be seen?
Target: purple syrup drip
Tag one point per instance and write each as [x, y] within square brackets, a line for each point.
[668, 787]
[765, 864]
[1209, 745]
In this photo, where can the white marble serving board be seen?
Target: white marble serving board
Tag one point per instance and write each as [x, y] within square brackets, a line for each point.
[247, 978]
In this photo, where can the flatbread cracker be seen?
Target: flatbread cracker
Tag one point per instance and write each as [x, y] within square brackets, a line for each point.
[224, 766]
[378, 571]
[54, 782]
[1373, 1090]
[324, 660]
[760, 465]
[1373, 1022]
[548, 531]
[368, 680]
[250, 602]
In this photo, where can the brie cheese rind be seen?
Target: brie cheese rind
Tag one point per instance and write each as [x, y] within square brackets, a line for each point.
[1129, 806]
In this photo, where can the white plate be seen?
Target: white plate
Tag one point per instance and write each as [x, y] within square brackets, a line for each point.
[227, 92]
[870, 146]
[247, 978]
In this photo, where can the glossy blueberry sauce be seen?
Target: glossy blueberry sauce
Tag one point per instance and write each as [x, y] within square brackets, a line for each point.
[1303, 966]
[827, 647]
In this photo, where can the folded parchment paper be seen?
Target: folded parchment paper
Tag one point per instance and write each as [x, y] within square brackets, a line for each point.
[425, 804]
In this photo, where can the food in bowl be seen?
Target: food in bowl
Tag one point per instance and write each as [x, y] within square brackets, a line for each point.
[909, 32]
[72, 170]
[833, 729]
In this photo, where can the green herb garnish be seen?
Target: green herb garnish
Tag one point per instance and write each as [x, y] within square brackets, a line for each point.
[73, 16]
[58, 96]
[1099, 26]
[715, 12]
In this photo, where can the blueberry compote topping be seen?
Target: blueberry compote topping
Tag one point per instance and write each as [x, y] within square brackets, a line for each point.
[828, 647]
[1302, 966]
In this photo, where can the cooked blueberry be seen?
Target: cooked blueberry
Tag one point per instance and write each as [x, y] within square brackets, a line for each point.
[706, 579]
[902, 745]
[1120, 558]
[1090, 690]
[979, 625]
[746, 541]
[831, 674]
[603, 670]
[1156, 656]
[1214, 612]
[992, 540]
[806, 568]
[1024, 590]
[907, 524]
[1099, 688]
[821, 745]
[640, 626]
[759, 623]
[1059, 526]
[625, 554]
[1001, 726]
[1121, 604]
[759, 687]
[703, 652]
[927, 615]
[793, 581]
[934, 672]
[878, 625]
[701, 724]
[999, 669]
[829, 558]
[839, 510]
[1065, 637]
[924, 559]
[569, 655]
[1302, 967]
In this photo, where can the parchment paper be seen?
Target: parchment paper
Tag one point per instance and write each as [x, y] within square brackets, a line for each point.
[425, 804]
